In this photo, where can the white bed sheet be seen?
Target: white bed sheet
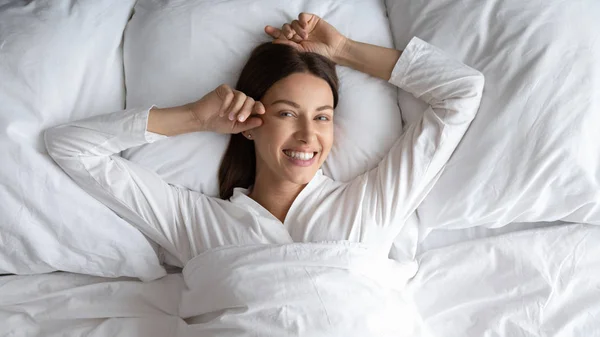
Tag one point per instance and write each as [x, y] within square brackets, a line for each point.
[69, 305]
[442, 237]
[540, 282]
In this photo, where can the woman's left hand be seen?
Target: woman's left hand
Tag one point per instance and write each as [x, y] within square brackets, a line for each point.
[310, 33]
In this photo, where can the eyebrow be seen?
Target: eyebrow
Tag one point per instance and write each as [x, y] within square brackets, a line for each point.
[297, 106]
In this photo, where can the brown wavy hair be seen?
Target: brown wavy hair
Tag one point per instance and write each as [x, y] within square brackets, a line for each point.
[268, 63]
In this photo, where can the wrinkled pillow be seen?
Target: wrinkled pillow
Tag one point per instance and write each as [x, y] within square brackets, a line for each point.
[533, 151]
[60, 61]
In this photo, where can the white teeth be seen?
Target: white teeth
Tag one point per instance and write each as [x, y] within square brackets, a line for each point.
[299, 155]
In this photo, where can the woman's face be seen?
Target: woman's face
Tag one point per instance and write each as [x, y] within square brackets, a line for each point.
[297, 131]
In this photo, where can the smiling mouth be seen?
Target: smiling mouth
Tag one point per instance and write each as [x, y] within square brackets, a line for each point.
[304, 156]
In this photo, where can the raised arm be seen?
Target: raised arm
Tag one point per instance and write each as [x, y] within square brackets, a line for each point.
[310, 33]
[374, 60]
[87, 150]
[395, 188]
[388, 194]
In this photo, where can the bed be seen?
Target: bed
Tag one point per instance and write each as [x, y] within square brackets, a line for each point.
[506, 243]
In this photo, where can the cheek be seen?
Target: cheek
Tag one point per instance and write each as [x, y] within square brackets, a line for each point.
[269, 137]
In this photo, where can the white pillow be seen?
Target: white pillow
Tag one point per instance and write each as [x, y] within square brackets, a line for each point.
[177, 51]
[59, 61]
[533, 151]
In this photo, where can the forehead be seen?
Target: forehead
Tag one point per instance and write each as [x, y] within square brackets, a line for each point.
[305, 89]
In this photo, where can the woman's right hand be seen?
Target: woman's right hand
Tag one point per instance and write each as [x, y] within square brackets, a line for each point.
[226, 110]
[310, 33]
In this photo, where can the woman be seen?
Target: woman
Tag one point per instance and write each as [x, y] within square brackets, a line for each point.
[281, 117]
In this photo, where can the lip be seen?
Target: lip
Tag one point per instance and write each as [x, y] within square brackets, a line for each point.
[302, 163]
[301, 149]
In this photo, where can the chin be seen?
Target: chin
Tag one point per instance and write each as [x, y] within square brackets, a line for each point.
[302, 176]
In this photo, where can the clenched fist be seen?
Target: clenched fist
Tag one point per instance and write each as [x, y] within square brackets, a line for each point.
[226, 110]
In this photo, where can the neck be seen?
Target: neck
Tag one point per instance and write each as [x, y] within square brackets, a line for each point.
[275, 195]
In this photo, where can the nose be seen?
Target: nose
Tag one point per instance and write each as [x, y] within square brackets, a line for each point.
[305, 131]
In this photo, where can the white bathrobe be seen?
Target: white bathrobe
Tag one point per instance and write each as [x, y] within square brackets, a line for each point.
[336, 221]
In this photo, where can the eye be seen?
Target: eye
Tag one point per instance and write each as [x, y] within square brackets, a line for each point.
[323, 118]
[286, 114]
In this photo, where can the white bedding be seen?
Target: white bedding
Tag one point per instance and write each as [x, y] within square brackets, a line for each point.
[441, 237]
[43, 214]
[533, 152]
[60, 60]
[299, 289]
[74, 305]
[538, 162]
[542, 282]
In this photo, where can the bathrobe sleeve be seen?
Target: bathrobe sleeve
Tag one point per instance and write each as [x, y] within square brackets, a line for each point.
[88, 151]
[389, 193]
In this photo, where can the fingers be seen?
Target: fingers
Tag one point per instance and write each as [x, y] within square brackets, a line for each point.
[292, 32]
[299, 30]
[226, 94]
[307, 21]
[246, 109]
[249, 117]
[287, 31]
[296, 32]
[239, 111]
[303, 18]
[302, 26]
[249, 108]
[238, 101]
[242, 106]
[259, 108]
[251, 123]
[272, 31]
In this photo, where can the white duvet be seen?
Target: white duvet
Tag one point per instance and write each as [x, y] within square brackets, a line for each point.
[543, 282]
[298, 289]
